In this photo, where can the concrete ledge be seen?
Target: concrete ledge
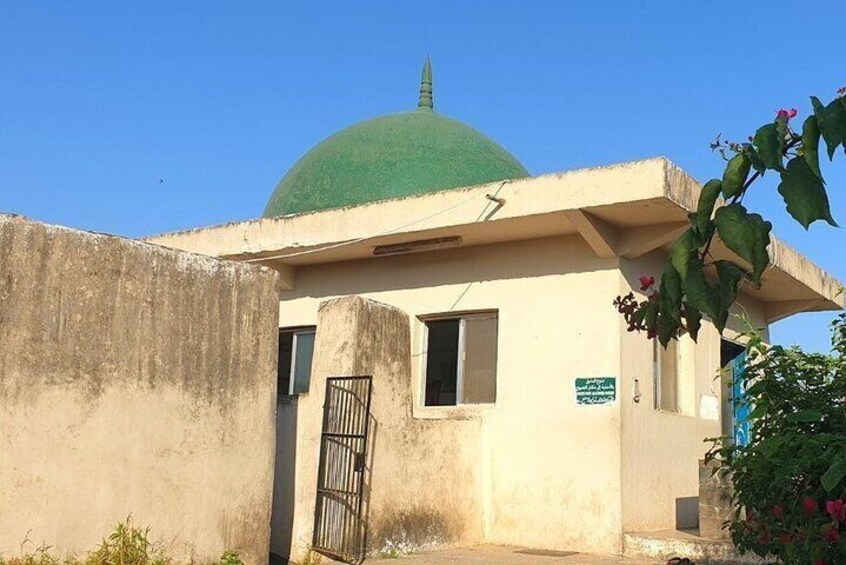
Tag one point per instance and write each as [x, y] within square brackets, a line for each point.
[684, 543]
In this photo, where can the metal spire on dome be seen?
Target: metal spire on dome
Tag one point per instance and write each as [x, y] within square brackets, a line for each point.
[426, 104]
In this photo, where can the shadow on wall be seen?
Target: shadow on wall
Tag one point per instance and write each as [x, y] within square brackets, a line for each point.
[467, 265]
[284, 497]
[687, 513]
[282, 516]
[368, 481]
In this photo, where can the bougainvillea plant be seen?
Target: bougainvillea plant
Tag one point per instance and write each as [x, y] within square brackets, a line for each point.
[693, 283]
[790, 478]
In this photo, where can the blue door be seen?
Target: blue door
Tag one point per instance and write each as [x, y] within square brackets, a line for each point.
[740, 408]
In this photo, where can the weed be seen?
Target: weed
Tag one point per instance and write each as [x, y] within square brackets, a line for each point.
[126, 545]
[229, 557]
[390, 553]
[40, 555]
[311, 558]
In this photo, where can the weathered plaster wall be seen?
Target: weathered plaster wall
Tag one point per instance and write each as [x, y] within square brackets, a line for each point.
[546, 472]
[133, 379]
[661, 450]
[423, 488]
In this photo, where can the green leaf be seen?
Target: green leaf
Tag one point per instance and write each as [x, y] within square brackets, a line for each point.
[746, 234]
[834, 475]
[804, 417]
[757, 163]
[757, 413]
[804, 194]
[667, 329]
[700, 294]
[770, 146]
[693, 320]
[730, 276]
[772, 444]
[735, 175]
[705, 209]
[832, 123]
[669, 304]
[756, 389]
[650, 316]
[811, 145]
[781, 128]
[681, 252]
[671, 292]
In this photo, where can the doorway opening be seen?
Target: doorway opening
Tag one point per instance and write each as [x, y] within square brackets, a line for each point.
[734, 410]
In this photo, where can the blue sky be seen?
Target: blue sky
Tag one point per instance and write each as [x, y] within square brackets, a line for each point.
[99, 101]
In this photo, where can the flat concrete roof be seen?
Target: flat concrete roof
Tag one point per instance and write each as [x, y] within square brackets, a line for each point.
[621, 210]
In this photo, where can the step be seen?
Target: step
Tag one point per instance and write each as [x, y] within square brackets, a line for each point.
[684, 543]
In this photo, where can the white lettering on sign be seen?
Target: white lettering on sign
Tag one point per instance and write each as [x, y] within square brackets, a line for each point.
[593, 391]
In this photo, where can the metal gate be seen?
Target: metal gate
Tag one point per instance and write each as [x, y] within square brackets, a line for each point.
[339, 525]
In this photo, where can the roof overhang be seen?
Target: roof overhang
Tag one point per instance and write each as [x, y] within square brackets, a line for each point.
[623, 210]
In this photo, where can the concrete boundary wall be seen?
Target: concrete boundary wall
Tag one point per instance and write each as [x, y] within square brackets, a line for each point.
[134, 379]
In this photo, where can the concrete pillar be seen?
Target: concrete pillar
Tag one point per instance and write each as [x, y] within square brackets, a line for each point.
[355, 337]
[422, 476]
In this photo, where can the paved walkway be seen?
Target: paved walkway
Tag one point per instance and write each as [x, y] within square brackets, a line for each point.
[499, 555]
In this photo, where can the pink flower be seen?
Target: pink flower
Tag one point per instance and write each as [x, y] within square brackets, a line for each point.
[646, 282]
[778, 511]
[784, 539]
[830, 534]
[836, 509]
[787, 113]
[810, 505]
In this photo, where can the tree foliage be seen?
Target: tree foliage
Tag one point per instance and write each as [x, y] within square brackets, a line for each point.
[693, 283]
[790, 479]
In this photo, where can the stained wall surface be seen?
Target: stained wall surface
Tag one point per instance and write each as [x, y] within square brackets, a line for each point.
[134, 379]
[549, 473]
[533, 468]
[422, 481]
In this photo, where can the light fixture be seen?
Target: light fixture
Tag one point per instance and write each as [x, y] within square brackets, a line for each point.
[417, 246]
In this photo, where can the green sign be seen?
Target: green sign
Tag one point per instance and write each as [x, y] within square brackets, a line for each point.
[596, 390]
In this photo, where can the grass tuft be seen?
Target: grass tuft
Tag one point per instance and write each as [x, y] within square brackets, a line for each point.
[126, 545]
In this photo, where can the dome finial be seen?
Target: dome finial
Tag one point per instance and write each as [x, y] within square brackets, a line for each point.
[425, 102]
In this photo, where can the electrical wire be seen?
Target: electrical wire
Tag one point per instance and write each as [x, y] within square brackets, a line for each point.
[374, 236]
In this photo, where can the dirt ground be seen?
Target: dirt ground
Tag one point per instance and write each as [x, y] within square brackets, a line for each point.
[499, 555]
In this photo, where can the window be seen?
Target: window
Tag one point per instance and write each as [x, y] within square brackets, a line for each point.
[674, 376]
[461, 360]
[296, 348]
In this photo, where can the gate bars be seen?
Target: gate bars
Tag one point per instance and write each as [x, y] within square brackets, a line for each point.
[339, 526]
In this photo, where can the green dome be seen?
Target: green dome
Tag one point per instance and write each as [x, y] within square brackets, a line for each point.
[391, 157]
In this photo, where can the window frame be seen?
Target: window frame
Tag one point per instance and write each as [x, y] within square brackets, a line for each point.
[294, 330]
[657, 376]
[685, 377]
[461, 357]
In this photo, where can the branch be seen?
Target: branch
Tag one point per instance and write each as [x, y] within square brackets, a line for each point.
[794, 141]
